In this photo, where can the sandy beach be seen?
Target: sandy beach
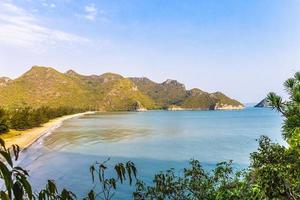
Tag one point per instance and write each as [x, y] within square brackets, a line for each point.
[26, 138]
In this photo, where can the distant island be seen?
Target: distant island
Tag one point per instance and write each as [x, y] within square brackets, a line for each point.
[262, 104]
[45, 86]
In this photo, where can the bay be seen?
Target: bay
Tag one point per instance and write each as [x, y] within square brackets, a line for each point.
[153, 140]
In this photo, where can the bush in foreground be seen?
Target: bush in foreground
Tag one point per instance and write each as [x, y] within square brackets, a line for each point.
[17, 187]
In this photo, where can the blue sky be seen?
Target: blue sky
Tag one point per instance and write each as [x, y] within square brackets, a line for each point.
[242, 48]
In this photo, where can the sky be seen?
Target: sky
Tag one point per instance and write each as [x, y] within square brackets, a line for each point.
[242, 48]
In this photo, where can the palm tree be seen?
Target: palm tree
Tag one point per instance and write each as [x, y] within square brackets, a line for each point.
[290, 109]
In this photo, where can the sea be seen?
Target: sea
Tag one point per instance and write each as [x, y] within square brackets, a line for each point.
[154, 141]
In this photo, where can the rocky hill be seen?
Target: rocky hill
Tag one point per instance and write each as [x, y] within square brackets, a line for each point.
[263, 103]
[44, 86]
[172, 94]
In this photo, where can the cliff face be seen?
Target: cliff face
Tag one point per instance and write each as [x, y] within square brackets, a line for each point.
[44, 86]
[263, 103]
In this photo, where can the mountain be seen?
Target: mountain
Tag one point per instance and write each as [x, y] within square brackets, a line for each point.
[113, 92]
[173, 94]
[263, 103]
[164, 94]
[44, 86]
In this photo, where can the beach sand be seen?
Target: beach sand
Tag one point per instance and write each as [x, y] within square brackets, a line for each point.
[26, 138]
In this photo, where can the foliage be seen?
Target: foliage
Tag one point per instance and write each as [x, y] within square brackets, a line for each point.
[3, 122]
[15, 180]
[106, 186]
[17, 187]
[290, 109]
[14, 177]
[44, 86]
[275, 171]
[195, 183]
[172, 92]
[27, 117]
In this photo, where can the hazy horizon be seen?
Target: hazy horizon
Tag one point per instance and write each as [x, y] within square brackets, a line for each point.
[244, 49]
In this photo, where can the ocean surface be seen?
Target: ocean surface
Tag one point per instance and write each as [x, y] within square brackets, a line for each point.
[154, 141]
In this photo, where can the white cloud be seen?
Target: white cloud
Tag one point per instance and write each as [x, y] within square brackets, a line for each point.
[51, 5]
[20, 28]
[90, 12]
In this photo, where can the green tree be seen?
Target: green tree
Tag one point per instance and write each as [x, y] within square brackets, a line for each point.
[14, 178]
[3, 121]
[275, 171]
[17, 187]
[290, 110]
[19, 118]
[196, 183]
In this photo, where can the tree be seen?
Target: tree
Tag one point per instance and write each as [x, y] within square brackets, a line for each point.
[19, 118]
[196, 183]
[3, 121]
[17, 187]
[289, 109]
[274, 171]
[104, 187]
[14, 178]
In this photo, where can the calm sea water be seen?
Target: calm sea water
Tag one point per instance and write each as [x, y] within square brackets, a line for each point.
[154, 140]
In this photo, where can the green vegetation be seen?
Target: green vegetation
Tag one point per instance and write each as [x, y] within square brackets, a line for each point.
[27, 117]
[171, 93]
[165, 94]
[44, 86]
[199, 99]
[274, 171]
[16, 185]
[290, 110]
[3, 122]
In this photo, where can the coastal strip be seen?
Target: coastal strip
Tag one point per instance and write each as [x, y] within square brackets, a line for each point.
[27, 137]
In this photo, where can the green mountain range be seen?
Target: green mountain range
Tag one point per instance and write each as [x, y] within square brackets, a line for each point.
[44, 86]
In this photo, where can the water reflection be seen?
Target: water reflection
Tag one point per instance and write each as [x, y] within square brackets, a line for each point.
[92, 137]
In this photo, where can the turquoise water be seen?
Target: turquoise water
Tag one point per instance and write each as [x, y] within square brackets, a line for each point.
[154, 140]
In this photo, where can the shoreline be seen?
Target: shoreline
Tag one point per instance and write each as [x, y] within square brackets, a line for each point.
[27, 137]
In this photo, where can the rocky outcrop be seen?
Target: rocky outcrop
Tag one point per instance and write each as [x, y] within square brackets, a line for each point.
[175, 108]
[228, 107]
[4, 81]
[262, 104]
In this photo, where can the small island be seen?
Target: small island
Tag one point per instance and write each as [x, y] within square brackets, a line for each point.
[262, 104]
